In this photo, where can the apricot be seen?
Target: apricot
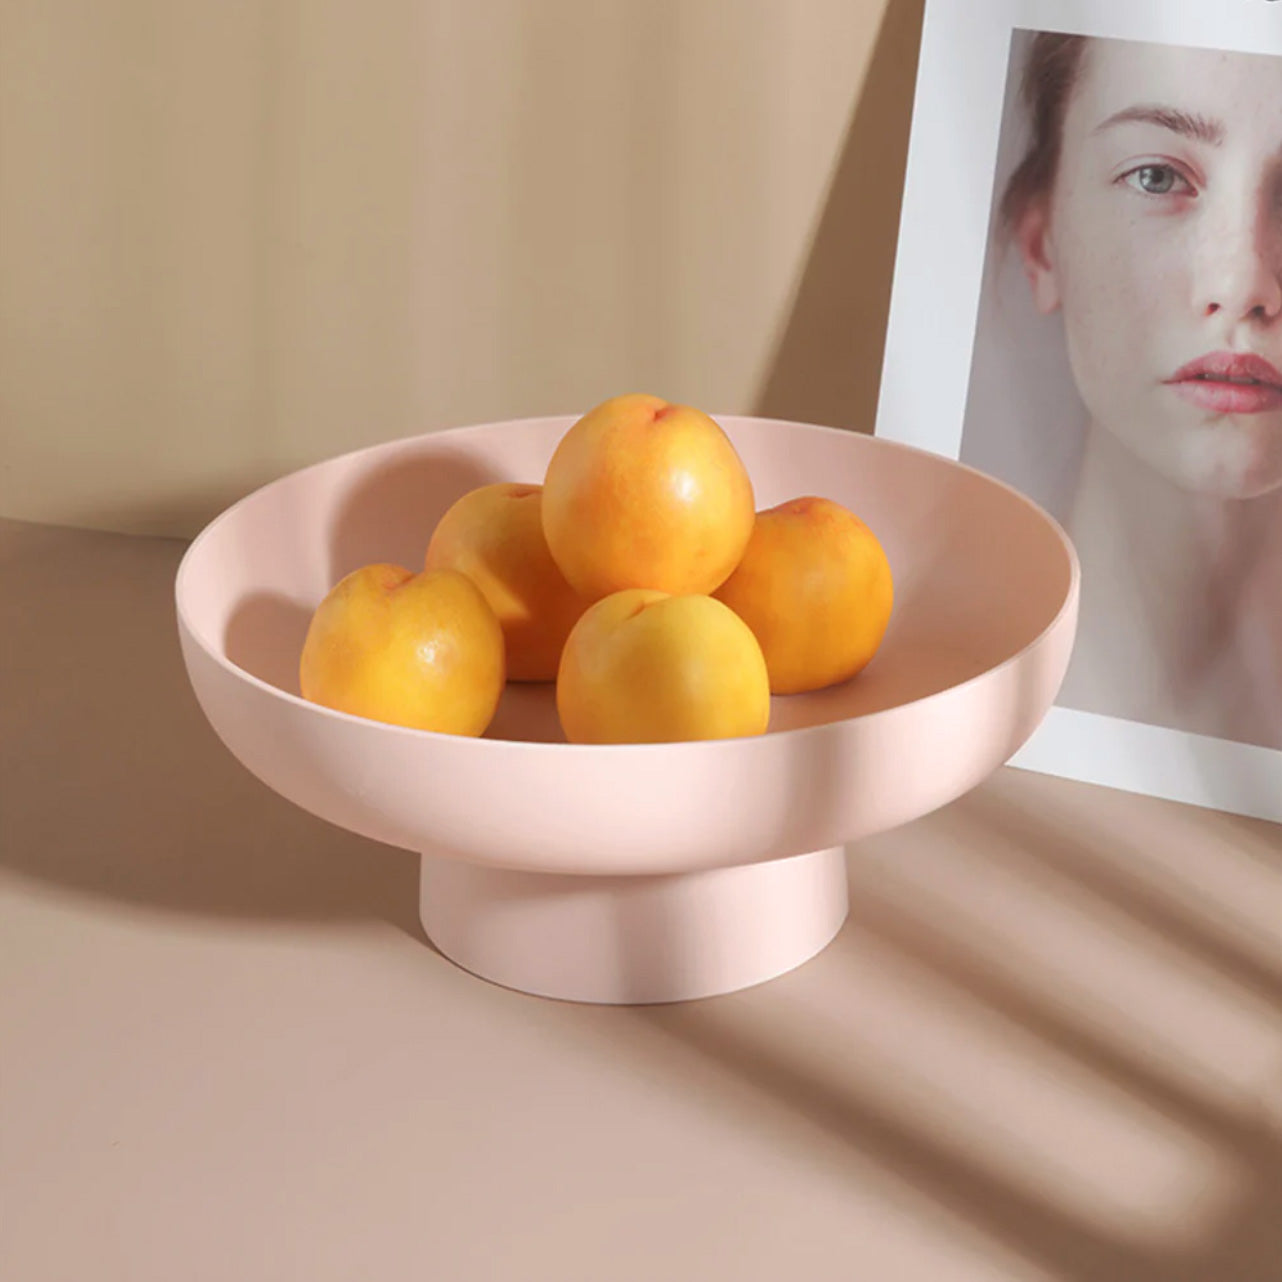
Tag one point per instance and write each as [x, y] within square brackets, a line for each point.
[420, 650]
[640, 493]
[494, 535]
[815, 587]
[644, 666]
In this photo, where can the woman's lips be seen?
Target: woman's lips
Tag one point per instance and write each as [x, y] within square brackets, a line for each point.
[1229, 383]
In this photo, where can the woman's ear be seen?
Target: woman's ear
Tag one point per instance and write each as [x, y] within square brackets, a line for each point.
[1037, 253]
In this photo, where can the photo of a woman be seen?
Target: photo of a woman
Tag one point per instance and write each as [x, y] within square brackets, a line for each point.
[1139, 212]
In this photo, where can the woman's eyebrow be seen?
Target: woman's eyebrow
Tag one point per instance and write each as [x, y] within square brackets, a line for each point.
[1187, 124]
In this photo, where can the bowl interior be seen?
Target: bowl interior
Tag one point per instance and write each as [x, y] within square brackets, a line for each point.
[980, 572]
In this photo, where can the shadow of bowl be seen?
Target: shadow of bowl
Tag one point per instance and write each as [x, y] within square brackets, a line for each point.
[112, 783]
[418, 485]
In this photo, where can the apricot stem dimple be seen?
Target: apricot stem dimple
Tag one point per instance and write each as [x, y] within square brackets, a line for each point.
[396, 577]
[664, 412]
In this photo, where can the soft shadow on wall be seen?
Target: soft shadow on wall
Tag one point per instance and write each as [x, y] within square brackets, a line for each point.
[290, 230]
[827, 367]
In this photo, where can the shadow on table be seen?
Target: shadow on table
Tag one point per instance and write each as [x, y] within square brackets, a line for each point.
[925, 1038]
[112, 782]
[1039, 1029]
[1042, 1036]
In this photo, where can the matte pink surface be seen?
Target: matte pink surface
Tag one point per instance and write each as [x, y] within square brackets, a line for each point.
[984, 619]
[634, 940]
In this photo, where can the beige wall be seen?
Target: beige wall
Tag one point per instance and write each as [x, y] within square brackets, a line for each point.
[238, 236]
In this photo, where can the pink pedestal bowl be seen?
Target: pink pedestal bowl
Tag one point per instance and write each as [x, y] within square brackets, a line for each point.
[648, 872]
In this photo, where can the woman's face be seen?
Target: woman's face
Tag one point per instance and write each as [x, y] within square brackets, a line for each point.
[1162, 243]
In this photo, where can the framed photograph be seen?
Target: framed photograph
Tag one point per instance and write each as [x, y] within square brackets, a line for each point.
[1088, 305]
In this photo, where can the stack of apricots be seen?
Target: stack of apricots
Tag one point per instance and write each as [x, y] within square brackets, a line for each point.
[637, 576]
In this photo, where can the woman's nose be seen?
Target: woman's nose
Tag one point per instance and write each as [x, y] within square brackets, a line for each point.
[1240, 263]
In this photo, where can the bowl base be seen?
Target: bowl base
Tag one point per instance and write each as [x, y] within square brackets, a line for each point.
[622, 940]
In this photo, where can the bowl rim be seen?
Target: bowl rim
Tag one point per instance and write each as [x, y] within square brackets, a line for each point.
[686, 746]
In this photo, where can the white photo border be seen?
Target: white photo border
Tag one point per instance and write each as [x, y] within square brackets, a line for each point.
[935, 301]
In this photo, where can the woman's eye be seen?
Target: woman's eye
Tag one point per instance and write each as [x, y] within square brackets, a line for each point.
[1158, 180]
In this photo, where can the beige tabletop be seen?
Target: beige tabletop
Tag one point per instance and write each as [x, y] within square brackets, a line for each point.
[1046, 1045]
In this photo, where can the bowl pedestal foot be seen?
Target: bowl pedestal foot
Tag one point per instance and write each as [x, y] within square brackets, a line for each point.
[630, 940]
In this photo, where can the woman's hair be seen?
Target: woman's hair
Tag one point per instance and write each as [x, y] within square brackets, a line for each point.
[1052, 70]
